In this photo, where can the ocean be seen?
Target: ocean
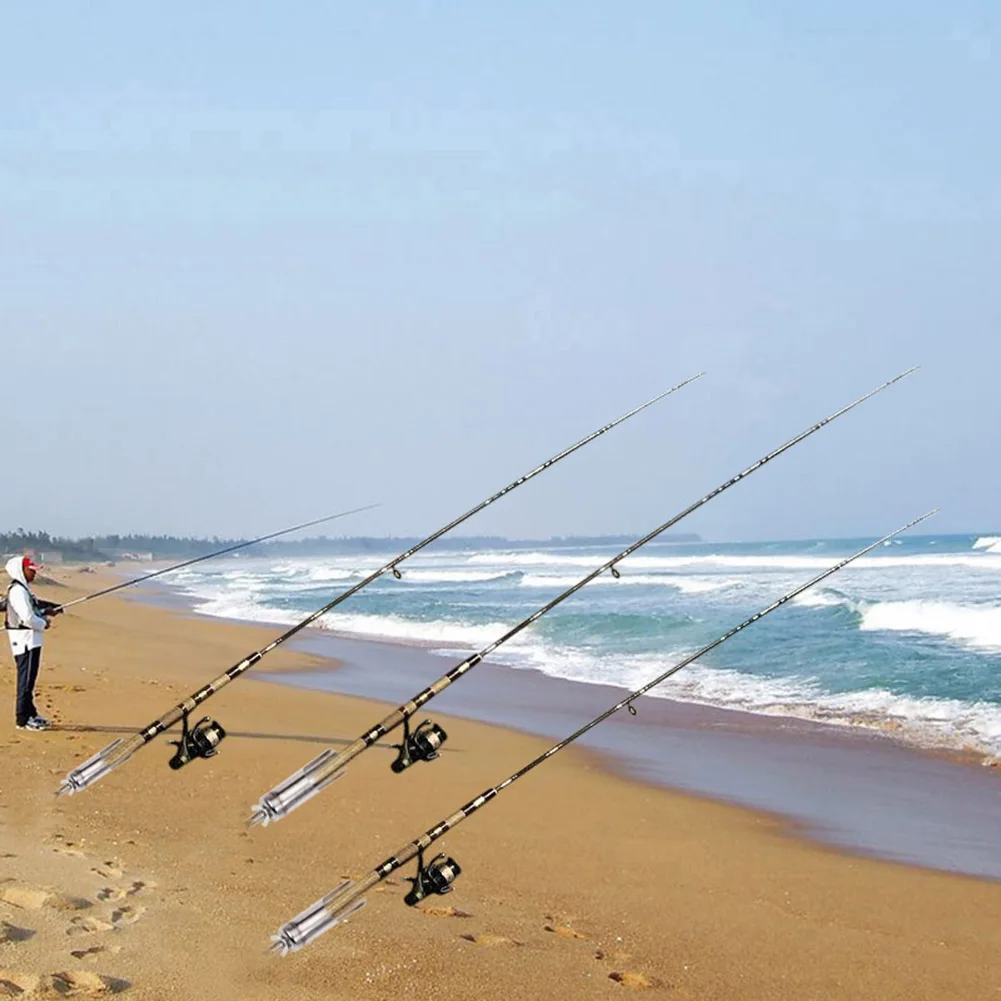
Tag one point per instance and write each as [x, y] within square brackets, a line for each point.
[906, 640]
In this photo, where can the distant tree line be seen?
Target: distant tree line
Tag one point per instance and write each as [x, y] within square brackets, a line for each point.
[109, 547]
[112, 547]
[41, 542]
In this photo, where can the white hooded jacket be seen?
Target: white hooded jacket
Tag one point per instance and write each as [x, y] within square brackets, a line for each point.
[26, 625]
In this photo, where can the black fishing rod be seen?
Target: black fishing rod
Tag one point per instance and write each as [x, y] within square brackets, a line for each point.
[437, 875]
[202, 739]
[208, 556]
[423, 743]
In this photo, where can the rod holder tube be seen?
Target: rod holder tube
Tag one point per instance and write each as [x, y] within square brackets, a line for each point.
[94, 769]
[303, 785]
[319, 917]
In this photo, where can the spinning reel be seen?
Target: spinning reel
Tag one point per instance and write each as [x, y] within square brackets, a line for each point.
[199, 741]
[420, 744]
[437, 876]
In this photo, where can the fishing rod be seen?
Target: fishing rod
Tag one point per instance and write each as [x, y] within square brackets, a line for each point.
[202, 739]
[423, 742]
[208, 556]
[437, 875]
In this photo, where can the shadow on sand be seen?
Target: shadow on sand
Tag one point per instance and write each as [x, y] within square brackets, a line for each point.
[301, 738]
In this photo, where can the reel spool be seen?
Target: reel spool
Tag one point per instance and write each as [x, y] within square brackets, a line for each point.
[421, 744]
[200, 741]
[437, 876]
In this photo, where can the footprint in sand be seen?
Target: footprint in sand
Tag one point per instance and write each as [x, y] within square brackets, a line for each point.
[444, 912]
[90, 955]
[87, 983]
[112, 894]
[637, 981]
[12, 933]
[88, 926]
[127, 914]
[109, 870]
[66, 902]
[489, 939]
[564, 931]
[14, 983]
[71, 852]
[23, 895]
[616, 957]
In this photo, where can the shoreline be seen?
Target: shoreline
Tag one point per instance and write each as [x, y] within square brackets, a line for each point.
[943, 808]
[924, 735]
[769, 763]
[861, 724]
[579, 883]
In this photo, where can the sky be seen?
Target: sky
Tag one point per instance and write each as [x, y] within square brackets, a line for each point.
[262, 262]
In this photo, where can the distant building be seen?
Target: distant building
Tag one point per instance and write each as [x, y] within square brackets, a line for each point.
[54, 556]
[138, 557]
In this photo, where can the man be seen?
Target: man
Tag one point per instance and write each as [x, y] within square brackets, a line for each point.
[25, 618]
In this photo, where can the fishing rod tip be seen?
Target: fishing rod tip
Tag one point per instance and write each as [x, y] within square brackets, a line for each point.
[668, 392]
[921, 517]
[911, 524]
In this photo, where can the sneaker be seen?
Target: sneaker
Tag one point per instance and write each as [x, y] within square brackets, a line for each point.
[36, 723]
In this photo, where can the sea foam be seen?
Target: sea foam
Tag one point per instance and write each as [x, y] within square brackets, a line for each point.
[990, 543]
[623, 632]
[977, 626]
[686, 584]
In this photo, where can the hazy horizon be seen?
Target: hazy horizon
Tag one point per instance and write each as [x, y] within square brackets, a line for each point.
[259, 264]
[453, 541]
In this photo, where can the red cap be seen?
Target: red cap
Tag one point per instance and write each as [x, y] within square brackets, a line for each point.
[29, 564]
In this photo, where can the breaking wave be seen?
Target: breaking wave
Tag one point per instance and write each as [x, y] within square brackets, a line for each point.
[990, 559]
[929, 676]
[688, 585]
[436, 633]
[927, 721]
[977, 626]
[460, 576]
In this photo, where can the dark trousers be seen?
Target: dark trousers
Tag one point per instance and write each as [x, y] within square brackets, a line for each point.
[27, 674]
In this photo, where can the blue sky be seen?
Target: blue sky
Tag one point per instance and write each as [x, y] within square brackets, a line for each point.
[259, 262]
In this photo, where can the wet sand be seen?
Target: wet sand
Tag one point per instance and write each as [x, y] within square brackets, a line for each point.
[577, 883]
[854, 787]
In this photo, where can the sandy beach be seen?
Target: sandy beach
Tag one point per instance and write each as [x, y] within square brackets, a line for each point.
[578, 883]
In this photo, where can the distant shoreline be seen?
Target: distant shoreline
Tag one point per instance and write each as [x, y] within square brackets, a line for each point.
[156, 549]
[147, 550]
